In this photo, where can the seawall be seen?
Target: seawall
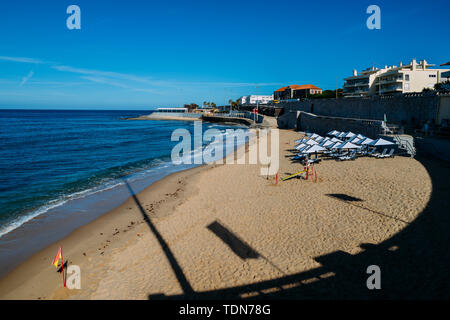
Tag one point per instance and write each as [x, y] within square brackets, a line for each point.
[406, 109]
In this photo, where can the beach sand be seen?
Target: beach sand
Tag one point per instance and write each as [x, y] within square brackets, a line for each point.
[189, 241]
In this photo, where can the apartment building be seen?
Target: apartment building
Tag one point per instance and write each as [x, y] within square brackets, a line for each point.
[256, 99]
[413, 77]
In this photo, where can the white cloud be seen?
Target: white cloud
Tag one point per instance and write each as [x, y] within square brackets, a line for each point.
[134, 82]
[27, 77]
[21, 59]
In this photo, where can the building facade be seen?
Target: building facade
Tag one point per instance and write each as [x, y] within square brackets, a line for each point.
[295, 91]
[413, 77]
[256, 99]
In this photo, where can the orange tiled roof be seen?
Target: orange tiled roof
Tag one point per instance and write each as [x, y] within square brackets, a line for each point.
[299, 87]
[281, 89]
[304, 86]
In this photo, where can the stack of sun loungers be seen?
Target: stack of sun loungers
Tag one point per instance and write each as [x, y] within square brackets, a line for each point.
[341, 146]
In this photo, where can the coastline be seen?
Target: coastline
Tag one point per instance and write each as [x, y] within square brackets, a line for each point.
[83, 244]
[288, 225]
[166, 193]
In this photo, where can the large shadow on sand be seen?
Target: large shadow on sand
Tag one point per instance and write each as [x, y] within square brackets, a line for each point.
[414, 263]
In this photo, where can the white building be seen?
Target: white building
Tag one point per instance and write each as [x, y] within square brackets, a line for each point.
[413, 77]
[256, 99]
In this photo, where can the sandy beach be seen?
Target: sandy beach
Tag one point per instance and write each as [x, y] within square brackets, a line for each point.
[226, 231]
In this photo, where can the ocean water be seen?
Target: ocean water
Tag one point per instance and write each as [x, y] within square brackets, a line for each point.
[51, 159]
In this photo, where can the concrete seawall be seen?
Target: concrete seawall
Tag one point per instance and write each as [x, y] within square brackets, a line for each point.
[406, 109]
[322, 125]
[305, 121]
[170, 116]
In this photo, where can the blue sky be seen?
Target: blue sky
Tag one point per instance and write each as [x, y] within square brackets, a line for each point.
[138, 54]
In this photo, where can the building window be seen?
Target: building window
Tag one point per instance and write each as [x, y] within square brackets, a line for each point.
[432, 76]
[407, 77]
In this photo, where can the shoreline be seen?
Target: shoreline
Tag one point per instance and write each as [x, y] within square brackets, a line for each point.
[295, 240]
[98, 233]
[167, 194]
[59, 222]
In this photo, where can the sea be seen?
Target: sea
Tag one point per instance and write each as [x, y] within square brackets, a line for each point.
[60, 169]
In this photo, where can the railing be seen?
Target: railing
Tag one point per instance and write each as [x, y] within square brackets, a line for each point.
[248, 115]
[405, 144]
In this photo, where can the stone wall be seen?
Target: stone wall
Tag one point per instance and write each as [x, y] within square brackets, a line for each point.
[323, 124]
[407, 109]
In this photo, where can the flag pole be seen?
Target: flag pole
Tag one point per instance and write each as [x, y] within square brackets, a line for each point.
[62, 266]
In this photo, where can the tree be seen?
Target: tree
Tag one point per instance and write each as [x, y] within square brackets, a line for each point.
[442, 86]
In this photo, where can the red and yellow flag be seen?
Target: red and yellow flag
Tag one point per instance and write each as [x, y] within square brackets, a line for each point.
[58, 257]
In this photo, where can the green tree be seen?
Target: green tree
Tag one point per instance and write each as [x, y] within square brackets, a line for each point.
[442, 86]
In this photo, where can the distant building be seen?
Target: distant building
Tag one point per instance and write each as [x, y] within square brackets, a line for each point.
[295, 91]
[256, 99]
[362, 84]
[445, 76]
[413, 77]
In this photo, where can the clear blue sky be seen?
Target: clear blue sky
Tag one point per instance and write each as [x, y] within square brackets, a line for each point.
[139, 54]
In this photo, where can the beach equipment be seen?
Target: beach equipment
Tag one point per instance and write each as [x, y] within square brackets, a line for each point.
[327, 143]
[292, 175]
[59, 256]
[355, 140]
[318, 138]
[304, 148]
[351, 156]
[301, 145]
[315, 148]
[333, 133]
[360, 136]
[335, 146]
[311, 142]
[315, 135]
[386, 155]
[319, 141]
[300, 141]
[366, 141]
[348, 145]
[349, 135]
[380, 142]
[336, 140]
[377, 155]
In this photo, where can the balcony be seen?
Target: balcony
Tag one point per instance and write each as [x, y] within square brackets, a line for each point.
[390, 89]
[356, 84]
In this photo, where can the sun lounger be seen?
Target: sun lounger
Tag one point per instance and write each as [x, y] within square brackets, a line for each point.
[387, 155]
[299, 156]
[377, 155]
[311, 161]
[351, 156]
[369, 153]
